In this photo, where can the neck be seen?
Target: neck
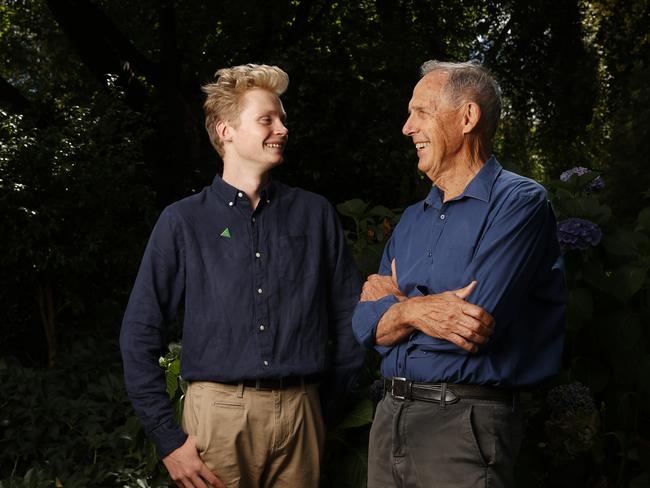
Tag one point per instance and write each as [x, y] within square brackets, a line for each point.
[246, 179]
[458, 173]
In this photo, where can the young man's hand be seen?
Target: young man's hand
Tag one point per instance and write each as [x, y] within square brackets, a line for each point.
[187, 470]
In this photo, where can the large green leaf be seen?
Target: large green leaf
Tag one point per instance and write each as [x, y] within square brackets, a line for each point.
[352, 208]
[625, 281]
[623, 242]
[360, 415]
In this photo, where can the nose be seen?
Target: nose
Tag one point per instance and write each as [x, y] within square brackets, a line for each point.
[408, 129]
[281, 129]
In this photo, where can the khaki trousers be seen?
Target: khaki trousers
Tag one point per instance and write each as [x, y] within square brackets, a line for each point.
[252, 439]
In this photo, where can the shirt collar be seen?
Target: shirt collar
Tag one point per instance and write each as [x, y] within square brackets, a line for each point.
[480, 187]
[231, 195]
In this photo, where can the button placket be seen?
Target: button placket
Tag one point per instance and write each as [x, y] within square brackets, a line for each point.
[264, 335]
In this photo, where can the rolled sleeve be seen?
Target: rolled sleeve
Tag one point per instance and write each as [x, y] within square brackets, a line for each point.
[366, 319]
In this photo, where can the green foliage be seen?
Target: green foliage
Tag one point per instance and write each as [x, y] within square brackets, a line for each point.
[68, 191]
[176, 385]
[607, 346]
[373, 226]
[72, 425]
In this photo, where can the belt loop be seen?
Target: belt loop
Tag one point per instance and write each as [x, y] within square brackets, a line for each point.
[443, 395]
[240, 389]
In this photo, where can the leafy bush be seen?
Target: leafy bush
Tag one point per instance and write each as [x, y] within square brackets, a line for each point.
[72, 425]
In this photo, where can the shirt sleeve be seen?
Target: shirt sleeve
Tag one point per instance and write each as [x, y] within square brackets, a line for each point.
[368, 314]
[517, 251]
[344, 285]
[154, 301]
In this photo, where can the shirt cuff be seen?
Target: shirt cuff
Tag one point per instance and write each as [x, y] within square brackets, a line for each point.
[167, 437]
[366, 318]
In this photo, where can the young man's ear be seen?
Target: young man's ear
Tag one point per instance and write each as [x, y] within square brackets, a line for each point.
[223, 131]
[471, 117]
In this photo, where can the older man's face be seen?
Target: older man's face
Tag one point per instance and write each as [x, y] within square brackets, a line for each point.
[434, 126]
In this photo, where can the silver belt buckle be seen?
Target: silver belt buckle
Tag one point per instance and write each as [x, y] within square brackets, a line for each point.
[400, 388]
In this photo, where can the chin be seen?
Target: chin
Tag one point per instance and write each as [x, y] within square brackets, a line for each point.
[424, 166]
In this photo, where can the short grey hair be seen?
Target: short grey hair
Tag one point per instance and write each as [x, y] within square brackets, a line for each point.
[470, 81]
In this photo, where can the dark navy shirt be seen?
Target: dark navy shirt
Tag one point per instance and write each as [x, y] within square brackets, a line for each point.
[501, 232]
[266, 293]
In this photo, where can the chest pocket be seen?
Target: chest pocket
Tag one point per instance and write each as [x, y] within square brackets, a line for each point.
[298, 257]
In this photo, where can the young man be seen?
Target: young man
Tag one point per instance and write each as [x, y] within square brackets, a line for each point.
[268, 287]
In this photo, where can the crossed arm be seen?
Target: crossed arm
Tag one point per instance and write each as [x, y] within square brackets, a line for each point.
[444, 315]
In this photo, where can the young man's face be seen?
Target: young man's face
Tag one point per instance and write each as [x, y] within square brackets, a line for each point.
[259, 137]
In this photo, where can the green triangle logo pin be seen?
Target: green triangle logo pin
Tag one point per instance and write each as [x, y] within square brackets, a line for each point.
[226, 233]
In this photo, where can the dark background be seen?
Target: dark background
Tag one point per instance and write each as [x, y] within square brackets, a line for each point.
[101, 126]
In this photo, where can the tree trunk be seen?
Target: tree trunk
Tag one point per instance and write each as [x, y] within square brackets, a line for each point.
[45, 297]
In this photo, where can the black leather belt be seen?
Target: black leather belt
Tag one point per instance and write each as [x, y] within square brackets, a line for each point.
[443, 393]
[268, 384]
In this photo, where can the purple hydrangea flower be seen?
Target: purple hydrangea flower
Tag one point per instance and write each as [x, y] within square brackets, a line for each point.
[577, 233]
[594, 185]
[578, 170]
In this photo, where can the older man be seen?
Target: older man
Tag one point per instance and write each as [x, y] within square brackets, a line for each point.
[468, 306]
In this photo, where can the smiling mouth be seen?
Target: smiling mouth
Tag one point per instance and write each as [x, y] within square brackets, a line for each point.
[421, 145]
[274, 145]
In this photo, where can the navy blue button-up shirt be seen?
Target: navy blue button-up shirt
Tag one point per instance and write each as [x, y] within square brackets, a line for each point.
[266, 293]
[500, 232]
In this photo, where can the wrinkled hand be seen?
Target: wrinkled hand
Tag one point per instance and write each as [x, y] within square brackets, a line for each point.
[378, 286]
[448, 316]
[187, 470]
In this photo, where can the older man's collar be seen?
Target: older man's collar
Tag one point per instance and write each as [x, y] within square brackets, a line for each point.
[434, 198]
[481, 185]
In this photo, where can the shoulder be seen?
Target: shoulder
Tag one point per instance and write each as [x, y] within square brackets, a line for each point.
[516, 189]
[186, 209]
[310, 201]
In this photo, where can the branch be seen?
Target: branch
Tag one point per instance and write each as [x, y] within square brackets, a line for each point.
[100, 44]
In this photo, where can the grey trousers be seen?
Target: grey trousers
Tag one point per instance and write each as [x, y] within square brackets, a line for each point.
[469, 444]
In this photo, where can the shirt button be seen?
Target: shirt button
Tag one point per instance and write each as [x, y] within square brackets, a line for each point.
[442, 217]
[231, 204]
[240, 194]
[259, 290]
[268, 201]
[266, 363]
[253, 219]
[429, 254]
[257, 254]
[261, 327]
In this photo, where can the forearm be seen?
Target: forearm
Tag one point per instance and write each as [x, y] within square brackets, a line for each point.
[393, 327]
